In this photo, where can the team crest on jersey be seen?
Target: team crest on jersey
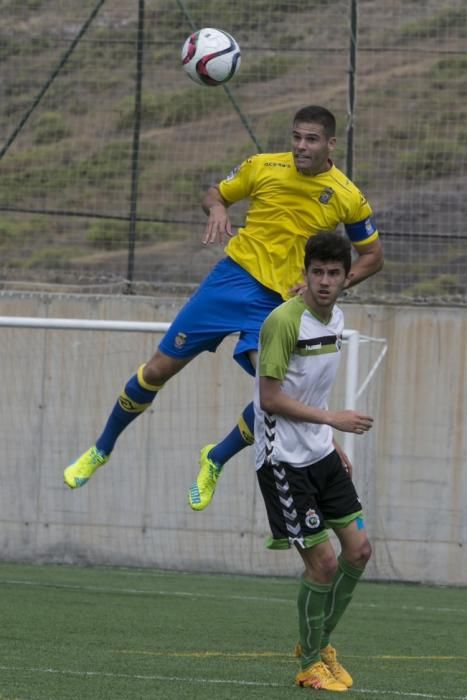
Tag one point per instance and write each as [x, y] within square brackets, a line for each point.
[326, 195]
[180, 340]
[232, 173]
[312, 519]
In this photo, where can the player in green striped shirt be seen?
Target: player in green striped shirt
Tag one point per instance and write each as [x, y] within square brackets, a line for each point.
[304, 476]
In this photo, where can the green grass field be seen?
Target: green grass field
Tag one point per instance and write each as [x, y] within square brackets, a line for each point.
[97, 633]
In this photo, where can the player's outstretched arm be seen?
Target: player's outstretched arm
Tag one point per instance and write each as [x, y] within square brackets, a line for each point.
[274, 400]
[370, 260]
[218, 225]
[349, 421]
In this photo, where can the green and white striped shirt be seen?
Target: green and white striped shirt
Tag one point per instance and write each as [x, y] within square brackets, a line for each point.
[302, 352]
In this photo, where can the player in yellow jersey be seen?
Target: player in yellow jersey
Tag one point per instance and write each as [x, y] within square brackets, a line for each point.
[292, 195]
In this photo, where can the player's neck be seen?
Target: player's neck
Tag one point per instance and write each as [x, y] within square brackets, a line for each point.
[325, 168]
[322, 313]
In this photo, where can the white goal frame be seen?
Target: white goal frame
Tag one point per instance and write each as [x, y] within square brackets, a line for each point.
[352, 337]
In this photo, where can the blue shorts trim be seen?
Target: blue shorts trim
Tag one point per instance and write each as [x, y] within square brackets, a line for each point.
[229, 300]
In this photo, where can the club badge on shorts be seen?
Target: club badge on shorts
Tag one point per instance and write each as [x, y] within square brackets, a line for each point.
[180, 340]
[312, 519]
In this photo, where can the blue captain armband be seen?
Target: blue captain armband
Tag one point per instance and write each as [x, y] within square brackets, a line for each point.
[361, 231]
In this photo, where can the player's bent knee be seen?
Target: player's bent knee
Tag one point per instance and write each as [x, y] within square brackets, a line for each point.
[366, 551]
[321, 569]
[362, 555]
[358, 554]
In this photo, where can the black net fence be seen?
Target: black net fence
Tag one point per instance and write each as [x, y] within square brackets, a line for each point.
[106, 146]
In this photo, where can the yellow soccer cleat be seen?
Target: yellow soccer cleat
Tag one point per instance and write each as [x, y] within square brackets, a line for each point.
[78, 473]
[329, 657]
[201, 492]
[319, 677]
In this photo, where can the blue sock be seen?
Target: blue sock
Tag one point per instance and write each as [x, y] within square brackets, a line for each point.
[136, 397]
[239, 438]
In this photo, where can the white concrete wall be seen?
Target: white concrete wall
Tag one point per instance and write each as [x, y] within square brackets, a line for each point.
[59, 386]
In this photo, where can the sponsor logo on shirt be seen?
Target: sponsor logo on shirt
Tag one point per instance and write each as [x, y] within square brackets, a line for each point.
[273, 164]
[318, 343]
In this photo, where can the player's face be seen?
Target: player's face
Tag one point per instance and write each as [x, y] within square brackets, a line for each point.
[311, 148]
[325, 282]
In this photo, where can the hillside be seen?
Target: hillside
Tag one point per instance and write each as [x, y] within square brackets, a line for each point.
[69, 81]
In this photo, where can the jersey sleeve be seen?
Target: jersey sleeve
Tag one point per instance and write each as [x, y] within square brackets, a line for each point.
[239, 182]
[360, 227]
[278, 339]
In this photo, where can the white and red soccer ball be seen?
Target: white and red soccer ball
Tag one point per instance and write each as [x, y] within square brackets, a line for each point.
[211, 56]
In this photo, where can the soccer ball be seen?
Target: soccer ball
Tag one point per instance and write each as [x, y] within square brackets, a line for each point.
[211, 56]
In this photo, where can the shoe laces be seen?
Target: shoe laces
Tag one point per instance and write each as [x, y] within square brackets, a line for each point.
[318, 674]
[210, 475]
[96, 456]
[330, 660]
[329, 652]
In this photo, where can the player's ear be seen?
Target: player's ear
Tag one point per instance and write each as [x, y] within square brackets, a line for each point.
[332, 143]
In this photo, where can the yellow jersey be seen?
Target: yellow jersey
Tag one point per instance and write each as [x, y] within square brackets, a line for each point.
[286, 207]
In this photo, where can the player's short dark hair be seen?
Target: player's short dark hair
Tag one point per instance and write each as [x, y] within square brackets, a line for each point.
[329, 246]
[317, 115]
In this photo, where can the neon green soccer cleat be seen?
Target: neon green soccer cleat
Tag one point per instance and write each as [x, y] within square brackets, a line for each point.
[201, 492]
[78, 473]
[319, 677]
[329, 657]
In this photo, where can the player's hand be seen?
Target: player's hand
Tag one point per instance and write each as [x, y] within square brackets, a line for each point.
[351, 422]
[349, 281]
[297, 289]
[218, 226]
[346, 463]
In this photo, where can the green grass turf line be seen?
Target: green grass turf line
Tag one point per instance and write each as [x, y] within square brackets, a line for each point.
[104, 633]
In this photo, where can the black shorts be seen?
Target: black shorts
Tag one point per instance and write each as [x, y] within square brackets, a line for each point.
[302, 503]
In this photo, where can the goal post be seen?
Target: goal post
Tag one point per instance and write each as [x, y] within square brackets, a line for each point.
[351, 336]
[61, 387]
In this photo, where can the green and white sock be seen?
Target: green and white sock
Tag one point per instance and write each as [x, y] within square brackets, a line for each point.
[311, 601]
[339, 596]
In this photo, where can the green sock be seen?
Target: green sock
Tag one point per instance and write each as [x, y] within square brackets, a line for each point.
[311, 601]
[340, 595]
